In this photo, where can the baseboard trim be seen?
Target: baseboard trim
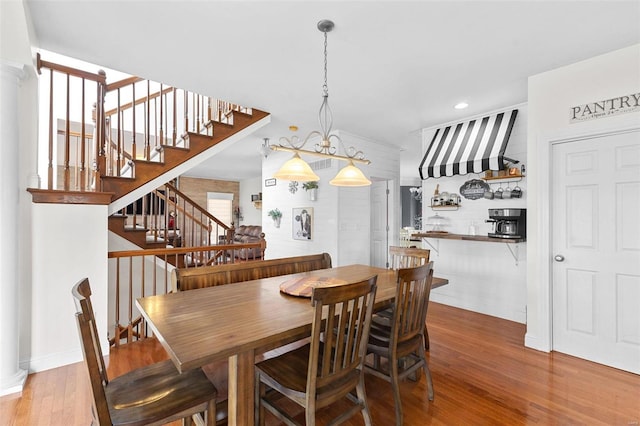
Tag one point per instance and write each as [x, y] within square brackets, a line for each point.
[55, 360]
[533, 342]
[14, 384]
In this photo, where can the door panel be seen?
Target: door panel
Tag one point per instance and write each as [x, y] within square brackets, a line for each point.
[582, 229]
[628, 235]
[596, 244]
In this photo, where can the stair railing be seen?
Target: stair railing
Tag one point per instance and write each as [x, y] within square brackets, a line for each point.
[67, 108]
[159, 116]
[140, 273]
[118, 123]
[171, 217]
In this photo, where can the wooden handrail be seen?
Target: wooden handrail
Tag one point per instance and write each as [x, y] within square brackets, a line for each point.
[100, 78]
[75, 134]
[197, 206]
[181, 250]
[122, 83]
[137, 102]
[181, 210]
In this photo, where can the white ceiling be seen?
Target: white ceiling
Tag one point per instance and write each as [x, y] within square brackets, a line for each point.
[395, 67]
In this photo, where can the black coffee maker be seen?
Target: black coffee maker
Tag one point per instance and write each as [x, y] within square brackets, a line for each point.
[508, 223]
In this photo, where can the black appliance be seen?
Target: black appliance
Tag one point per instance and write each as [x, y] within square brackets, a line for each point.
[508, 223]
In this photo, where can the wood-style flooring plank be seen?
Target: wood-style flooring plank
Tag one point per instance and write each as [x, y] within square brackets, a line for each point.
[482, 374]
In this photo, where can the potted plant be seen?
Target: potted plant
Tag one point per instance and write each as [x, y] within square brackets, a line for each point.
[276, 215]
[312, 188]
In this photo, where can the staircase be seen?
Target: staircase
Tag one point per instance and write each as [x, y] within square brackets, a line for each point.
[126, 141]
[168, 218]
[141, 135]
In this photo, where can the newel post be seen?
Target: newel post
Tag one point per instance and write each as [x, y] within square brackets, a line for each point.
[100, 132]
[263, 244]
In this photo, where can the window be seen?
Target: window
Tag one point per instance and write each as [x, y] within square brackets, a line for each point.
[220, 205]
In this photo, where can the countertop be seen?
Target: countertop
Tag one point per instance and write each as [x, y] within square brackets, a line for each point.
[449, 236]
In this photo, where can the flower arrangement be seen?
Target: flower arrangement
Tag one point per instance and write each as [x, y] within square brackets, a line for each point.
[274, 214]
[310, 185]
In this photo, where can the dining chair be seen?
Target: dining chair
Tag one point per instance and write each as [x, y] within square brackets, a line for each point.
[404, 237]
[405, 257]
[330, 367]
[401, 344]
[152, 395]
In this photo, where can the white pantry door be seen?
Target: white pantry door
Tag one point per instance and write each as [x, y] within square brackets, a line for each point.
[596, 249]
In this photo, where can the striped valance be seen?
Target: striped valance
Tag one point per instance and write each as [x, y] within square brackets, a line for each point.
[470, 147]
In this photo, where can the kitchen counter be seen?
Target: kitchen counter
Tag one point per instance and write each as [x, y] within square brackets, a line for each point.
[449, 236]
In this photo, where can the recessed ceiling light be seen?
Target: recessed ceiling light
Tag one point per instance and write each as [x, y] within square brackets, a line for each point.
[461, 105]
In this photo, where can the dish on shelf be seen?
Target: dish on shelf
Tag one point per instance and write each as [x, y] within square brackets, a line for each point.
[437, 222]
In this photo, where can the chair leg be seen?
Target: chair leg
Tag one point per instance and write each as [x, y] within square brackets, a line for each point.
[395, 386]
[310, 413]
[211, 413]
[427, 373]
[260, 389]
[362, 396]
[187, 421]
[426, 338]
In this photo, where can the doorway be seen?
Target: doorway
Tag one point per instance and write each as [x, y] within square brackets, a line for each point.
[381, 218]
[595, 243]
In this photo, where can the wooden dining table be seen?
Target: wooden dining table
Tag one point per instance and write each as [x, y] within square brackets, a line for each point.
[238, 321]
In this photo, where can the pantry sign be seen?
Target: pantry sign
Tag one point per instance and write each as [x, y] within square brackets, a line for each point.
[605, 108]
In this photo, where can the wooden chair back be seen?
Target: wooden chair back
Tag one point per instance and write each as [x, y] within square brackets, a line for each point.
[91, 349]
[411, 302]
[208, 276]
[404, 237]
[407, 257]
[339, 344]
[150, 395]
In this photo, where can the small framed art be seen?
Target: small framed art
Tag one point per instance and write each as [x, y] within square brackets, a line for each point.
[302, 223]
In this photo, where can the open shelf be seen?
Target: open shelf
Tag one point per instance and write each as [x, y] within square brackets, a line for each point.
[508, 178]
[448, 236]
[445, 207]
[484, 238]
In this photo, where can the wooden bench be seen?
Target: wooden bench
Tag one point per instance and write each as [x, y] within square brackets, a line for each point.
[209, 276]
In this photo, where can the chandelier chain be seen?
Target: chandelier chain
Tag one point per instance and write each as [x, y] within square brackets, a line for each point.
[325, 87]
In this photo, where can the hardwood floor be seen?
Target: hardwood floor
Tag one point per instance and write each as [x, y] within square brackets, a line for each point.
[482, 374]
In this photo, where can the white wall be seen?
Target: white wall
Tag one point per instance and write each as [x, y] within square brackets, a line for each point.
[341, 215]
[250, 214]
[14, 33]
[69, 243]
[354, 228]
[483, 276]
[280, 242]
[551, 95]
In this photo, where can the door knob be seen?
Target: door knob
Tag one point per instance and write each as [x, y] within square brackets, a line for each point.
[558, 258]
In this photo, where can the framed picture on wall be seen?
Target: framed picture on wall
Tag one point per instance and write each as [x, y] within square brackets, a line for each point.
[302, 223]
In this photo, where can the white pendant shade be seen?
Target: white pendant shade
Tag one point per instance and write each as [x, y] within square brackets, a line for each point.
[296, 169]
[350, 175]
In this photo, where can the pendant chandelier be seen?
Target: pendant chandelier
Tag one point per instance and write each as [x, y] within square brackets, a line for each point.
[296, 168]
